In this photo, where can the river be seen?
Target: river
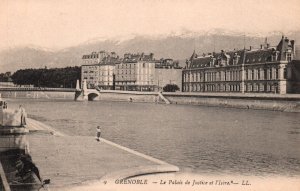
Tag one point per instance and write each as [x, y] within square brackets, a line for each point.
[198, 139]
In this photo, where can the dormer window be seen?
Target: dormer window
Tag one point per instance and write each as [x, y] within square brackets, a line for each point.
[288, 57]
[236, 59]
[276, 55]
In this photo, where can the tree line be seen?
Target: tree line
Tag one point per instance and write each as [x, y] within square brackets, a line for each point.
[54, 77]
[5, 77]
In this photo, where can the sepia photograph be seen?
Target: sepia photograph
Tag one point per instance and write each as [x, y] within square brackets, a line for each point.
[144, 95]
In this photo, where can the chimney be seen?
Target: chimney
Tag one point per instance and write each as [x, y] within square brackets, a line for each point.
[250, 47]
[266, 43]
[293, 47]
[187, 63]
[151, 56]
[261, 46]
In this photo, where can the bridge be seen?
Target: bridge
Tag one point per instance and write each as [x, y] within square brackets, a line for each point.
[37, 89]
[82, 94]
[132, 96]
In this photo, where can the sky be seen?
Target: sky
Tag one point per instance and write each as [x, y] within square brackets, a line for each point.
[57, 24]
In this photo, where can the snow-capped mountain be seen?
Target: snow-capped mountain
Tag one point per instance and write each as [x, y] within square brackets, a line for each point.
[177, 45]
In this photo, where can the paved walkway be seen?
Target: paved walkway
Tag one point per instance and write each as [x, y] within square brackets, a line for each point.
[72, 160]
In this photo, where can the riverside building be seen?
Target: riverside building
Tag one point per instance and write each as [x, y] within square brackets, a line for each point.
[135, 72]
[141, 72]
[167, 71]
[98, 69]
[265, 70]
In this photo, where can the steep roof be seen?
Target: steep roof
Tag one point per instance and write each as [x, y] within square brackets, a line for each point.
[200, 62]
[259, 56]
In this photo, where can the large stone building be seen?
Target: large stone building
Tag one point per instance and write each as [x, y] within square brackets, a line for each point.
[263, 70]
[98, 69]
[135, 73]
[141, 72]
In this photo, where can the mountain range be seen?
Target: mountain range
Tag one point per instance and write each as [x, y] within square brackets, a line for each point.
[176, 46]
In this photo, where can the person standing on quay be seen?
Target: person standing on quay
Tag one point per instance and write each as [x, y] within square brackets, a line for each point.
[98, 133]
[23, 115]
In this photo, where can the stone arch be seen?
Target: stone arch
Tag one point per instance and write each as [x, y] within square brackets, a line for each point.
[92, 96]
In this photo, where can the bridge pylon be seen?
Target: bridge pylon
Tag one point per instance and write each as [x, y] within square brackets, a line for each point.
[83, 94]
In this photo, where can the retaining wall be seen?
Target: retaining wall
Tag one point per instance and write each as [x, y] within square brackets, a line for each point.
[129, 96]
[38, 94]
[290, 103]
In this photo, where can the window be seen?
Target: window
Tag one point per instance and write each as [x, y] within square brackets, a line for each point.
[289, 57]
[265, 74]
[276, 73]
[285, 73]
[235, 61]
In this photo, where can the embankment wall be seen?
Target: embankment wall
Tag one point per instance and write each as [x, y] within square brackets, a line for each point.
[38, 94]
[128, 96]
[289, 103]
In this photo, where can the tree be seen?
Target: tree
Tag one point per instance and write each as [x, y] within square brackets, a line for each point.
[171, 88]
[5, 77]
[54, 77]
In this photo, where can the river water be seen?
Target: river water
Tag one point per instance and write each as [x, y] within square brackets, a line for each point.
[198, 139]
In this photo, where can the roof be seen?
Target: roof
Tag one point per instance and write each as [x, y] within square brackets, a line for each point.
[237, 57]
[201, 62]
[90, 56]
[133, 58]
[259, 56]
[110, 60]
[205, 61]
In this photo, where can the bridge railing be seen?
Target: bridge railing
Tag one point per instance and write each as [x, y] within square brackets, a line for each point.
[37, 89]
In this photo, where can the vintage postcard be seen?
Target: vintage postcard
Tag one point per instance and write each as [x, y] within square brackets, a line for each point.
[149, 95]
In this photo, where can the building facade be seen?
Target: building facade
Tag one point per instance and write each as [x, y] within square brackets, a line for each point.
[135, 73]
[263, 70]
[98, 70]
[141, 72]
[167, 71]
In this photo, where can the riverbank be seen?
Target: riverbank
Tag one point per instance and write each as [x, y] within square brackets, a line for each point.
[70, 161]
[206, 141]
[37, 95]
[273, 102]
